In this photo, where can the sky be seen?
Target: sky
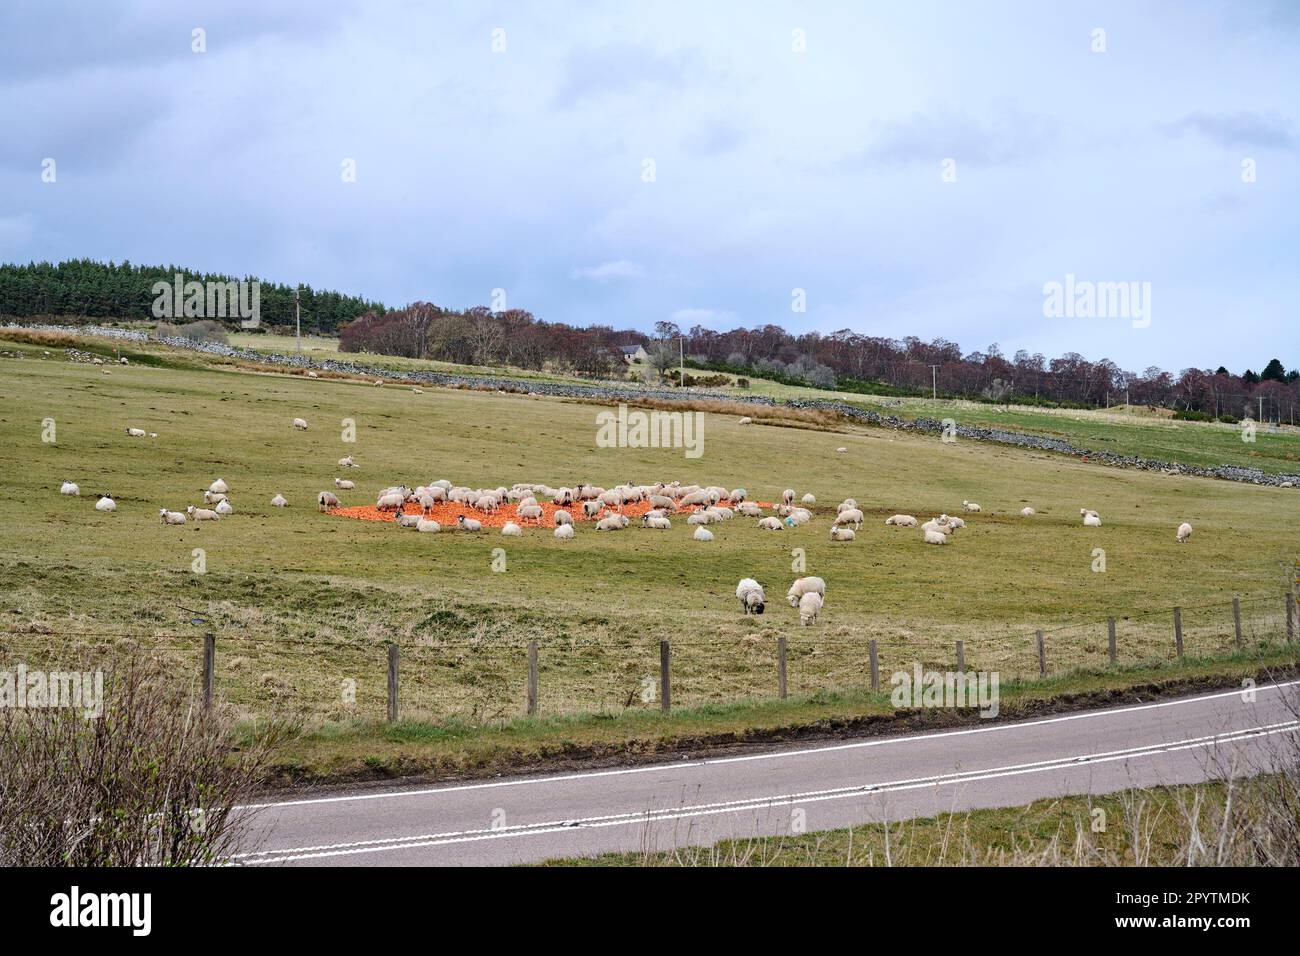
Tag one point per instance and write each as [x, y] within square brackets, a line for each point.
[891, 168]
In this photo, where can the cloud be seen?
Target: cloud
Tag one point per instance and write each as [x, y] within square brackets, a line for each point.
[715, 137]
[1243, 128]
[592, 72]
[615, 269]
[692, 316]
[930, 137]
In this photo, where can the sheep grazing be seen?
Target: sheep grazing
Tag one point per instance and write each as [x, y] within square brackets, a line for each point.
[278, 501]
[326, 500]
[512, 530]
[390, 501]
[300, 424]
[427, 525]
[840, 451]
[802, 586]
[469, 524]
[563, 517]
[751, 596]
[564, 532]
[842, 534]
[770, 524]
[171, 517]
[105, 503]
[531, 513]
[787, 496]
[935, 537]
[1092, 520]
[808, 500]
[343, 484]
[849, 516]
[219, 487]
[971, 506]
[136, 432]
[70, 488]
[347, 462]
[202, 514]
[1027, 512]
[810, 606]
[1184, 532]
[224, 508]
[902, 521]
[745, 421]
[407, 521]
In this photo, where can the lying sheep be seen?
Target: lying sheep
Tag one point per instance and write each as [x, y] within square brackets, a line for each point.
[1092, 520]
[105, 503]
[1184, 532]
[751, 596]
[745, 421]
[1027, 512]
[935, 537]
[512, 530]
[219, 487]
[564, 532]
[770, 524]
[810, 606]
[840, 451]
[343, 484]
[136, 432]
[802, 586]
[702, 534]
[202, 514]
[656, 522]
[842, 534]
[300, 424]
[971, 506]
[326, 500]
[902, 521]
[70, 488]
[808, 500]
[213, 497]
[224, 507]
[955, 523]
[427, 525]
[278, 501]
[407, 521]
[469, 524]
[171, 517]
[610, 523]
[347, 462]
[749, 509]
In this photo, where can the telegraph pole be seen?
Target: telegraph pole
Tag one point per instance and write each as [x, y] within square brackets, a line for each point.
[934, 382]
[681, 360]
[297, 319]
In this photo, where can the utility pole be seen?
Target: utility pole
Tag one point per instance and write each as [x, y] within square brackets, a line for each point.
[297, 319]
[681, 360]
[934, 382]
[1261, 409]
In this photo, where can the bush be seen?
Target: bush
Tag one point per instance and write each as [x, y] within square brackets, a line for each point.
[1191, 415]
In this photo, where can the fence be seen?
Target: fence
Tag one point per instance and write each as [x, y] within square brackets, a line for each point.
[482, 681]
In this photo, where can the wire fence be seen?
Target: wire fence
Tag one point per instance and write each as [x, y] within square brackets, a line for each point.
[484, 680]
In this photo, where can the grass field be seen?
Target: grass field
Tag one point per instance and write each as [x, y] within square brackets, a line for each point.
[303, 602]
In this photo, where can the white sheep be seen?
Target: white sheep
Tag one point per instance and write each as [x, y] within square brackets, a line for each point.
[1184, 532]
[802, 586]
[70, 488]
[392, 500]
[212, 498]
[745, 421]
[1027, 512]
[901, 521]
[770, 524]
[935, 537]
[848, 516]
[202, 514]
[702, 534]
[278, 501]
[749, 509]
[1092, 520]
[171, 517]
[810, 606]
[312, 375]
[846, 504]
[219, 487]
[530, 512]
[808, 500]
[564, 532]
[563, 517]
[469, 524]
[136, 432]
[300, 424]
[224, 508]
[326, 500]
[105, 503]
[840, 451]
[787, 496]
[343, 484]
[427, 525]
[971, 506]
[407, 521]
[656, 522]
[347, 462]
[842, 534]
[512, 530]
[750, 592]
[608, 523]
[955, 523]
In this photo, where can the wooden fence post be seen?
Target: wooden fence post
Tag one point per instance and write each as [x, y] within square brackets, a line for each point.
[1178, 630]
[392, 683]
[780, 666]
[875, 667]
[1110, 636]
[961, 658]
[1290, 617]
[209, 668]
[1042, 654]
[665, 681]
[532, 678]
[1236, 619]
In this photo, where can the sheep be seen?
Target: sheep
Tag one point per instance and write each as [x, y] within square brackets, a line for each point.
[347, 462]
[343, 484]
[379, 383]
[737, 495]
[656, 522]
[70, 488]
[847, 503]
[935, 537]
[219, 487]
[955, 523]
[609, 523]
[810, 606]
[300, 424]
[770, 524]
[202, 514]
[901, 521]
[512, 530]
[702, 534]
[312, 375]
[591, 508]
[427, 525]
[407, 521]
[809, 500]
[802, 586]
[1027, 512]
[563, 517]
[745, 421]
[136, 432]
[787, 496]
[840, 451]
[469, 524]
[700, 517]
[393, 500]
[530, 512]
[749, 509]
[171, 517]
[326, 500]
[842, 534]
[798, 516]
[752, 600]
[1091, 520]
[416, 390]
[663, 501]
[1086, 511]
[849, 516]
[564, 532]
[213, 497]
[278, 501]
[225, 508]
[105, 503]
[1184, 532]
[971, 506]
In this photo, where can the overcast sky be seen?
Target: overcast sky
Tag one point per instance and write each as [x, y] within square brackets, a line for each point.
[775, 168]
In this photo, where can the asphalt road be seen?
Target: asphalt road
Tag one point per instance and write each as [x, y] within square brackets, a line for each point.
[661, 806]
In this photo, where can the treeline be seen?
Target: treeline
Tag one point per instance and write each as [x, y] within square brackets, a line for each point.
[82, 289]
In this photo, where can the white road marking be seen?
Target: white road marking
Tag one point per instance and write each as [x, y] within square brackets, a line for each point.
[769, 755]
[642, 817]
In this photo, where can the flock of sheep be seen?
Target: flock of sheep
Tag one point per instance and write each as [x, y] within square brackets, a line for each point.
[808, 595]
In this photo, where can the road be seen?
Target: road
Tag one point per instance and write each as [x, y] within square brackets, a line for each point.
[661, 806]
